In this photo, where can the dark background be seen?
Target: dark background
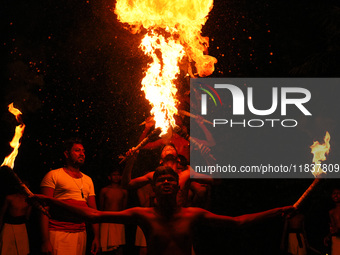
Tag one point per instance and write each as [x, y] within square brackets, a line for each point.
[73, 70]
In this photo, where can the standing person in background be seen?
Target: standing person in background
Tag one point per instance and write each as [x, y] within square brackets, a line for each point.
[13, 233]
[112, 198]
[334, 230]
[294, 237]
[74, 187]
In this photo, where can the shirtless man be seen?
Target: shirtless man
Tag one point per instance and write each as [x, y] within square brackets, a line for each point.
[167, 226]
[294, 238]
[199, 192]
[334, 215]
[168, 158]
[13, 233]
[112, 198]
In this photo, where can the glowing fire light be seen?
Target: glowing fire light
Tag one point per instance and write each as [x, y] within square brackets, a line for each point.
[320, 151]
[174, 31]
[15, 143]
[158, 82]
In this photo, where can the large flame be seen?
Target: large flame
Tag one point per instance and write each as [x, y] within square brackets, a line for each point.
[158, 83]
[15, 143]
[320, 151]
[174, 31]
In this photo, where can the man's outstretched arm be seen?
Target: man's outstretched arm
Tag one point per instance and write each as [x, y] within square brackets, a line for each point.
[243, 220]
[90, 214]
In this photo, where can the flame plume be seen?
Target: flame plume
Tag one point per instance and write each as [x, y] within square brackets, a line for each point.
[158, 83]
[181, 21]
[320, 151]
[15, 143]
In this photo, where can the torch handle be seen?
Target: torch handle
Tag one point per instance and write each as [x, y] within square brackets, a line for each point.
[188, 114]
[157, 131]
[199, 146]
[307, 193]
[29, 194]
[187, 137]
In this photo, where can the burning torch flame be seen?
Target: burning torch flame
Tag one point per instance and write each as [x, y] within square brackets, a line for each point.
[174, 31]
[320, 151]
[15, 143]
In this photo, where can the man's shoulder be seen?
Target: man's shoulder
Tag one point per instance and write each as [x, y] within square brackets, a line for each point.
[85, 176]
[149, 175]
[192, 213]
[53, 172]
[334, 211]
[51, 178]
[193, 209]
[185, 173]
[10, 197]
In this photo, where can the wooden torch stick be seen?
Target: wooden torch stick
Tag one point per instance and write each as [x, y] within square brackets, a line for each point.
[28, 193]
[157, 131]
[307, 193]
[185, 113]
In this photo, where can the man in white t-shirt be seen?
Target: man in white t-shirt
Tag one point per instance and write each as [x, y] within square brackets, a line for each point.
[74, 187]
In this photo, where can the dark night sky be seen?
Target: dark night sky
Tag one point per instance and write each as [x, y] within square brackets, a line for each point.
[72, 69]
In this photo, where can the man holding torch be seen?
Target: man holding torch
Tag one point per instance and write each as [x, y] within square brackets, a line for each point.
[73, 187]
[168, 227]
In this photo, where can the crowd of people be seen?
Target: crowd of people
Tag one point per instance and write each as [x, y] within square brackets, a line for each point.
[171, 203]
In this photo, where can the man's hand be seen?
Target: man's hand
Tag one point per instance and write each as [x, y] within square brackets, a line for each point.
[42, 199]
[95, 246]
[149, 122]
[327, 241]
[132, 152]
[199, 120]
[287, 210]
[46, 248]
[205, 150]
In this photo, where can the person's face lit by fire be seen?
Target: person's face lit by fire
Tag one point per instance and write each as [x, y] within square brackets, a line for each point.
[76, 156]
[166, 184]
[115, 177]
[336, 195]
[168, 150]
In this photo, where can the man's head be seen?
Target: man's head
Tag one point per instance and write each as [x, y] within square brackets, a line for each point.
[168, 149]
[74, 152]
[165, 181]
[336, 195]
[115, 176]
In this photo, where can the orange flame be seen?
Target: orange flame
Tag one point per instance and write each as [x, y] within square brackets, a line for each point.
[158, 84]
[181, 21]
[320, 151]
[15, 143]
[182, 18]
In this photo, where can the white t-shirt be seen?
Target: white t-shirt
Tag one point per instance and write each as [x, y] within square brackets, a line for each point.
[67, 187]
